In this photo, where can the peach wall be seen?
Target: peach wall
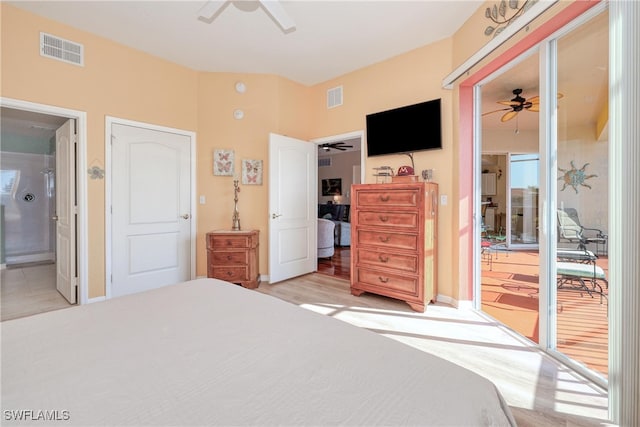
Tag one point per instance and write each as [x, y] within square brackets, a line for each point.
[270, 104]
[409, 78]
[116, 81]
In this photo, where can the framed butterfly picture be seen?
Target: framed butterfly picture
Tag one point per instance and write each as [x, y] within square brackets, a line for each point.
[223, 162]
[251, 172]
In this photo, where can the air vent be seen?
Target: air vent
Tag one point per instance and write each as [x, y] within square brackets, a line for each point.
[334, 97]
[324, 162]
[63, 50]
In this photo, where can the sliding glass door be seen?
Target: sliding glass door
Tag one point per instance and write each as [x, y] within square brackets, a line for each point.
[548, 111]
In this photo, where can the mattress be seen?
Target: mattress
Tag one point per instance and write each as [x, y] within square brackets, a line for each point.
[207, 352]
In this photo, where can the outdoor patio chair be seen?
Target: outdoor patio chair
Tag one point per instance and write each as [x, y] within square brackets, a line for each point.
[570, 229]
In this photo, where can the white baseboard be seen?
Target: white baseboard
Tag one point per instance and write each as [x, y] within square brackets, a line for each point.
[96, 299]
[461, 305]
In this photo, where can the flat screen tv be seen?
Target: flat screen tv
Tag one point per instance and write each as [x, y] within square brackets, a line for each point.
[405, 129]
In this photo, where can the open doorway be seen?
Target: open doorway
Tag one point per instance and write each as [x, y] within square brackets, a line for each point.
[339, 166]
[32, 193]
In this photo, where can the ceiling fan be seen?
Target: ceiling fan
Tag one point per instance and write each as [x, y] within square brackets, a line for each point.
[213, 8]
[341, 146]
[517, 104]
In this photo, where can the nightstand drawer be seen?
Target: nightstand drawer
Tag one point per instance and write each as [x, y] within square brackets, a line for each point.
[227, 241]
[230, 274]
[408, 220]
[229, 258]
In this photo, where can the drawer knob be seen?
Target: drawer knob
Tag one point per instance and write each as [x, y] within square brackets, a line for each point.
[229, 273]
[383, 258]
[228, 257]
[229, 243]
[385, 239]
[384, 198]
[383, 279]
[384, 218]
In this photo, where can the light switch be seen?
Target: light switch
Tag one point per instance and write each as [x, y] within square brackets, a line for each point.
[202, 200]
[443, 199]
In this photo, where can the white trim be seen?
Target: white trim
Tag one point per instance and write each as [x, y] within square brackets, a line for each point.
[520, 23]
[624, 219]
[81, 182]
[109, 122]
[96, 299]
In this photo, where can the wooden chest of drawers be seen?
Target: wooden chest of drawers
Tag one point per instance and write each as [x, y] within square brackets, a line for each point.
[393, 241]
[233, 256]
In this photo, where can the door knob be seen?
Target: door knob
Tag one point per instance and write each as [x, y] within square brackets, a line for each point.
[55, 217]
[274, 216]
[185, 216]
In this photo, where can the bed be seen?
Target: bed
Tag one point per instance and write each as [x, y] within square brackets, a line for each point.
[207, 352]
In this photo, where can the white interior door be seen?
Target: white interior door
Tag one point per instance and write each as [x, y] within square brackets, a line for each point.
[151, 209]
[65, 211]
[293, 203]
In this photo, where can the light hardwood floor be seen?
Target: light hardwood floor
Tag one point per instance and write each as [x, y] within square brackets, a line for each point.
[29, 289]
[540, 390]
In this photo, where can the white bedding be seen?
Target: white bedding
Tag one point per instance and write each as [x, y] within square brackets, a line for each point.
[207, 352]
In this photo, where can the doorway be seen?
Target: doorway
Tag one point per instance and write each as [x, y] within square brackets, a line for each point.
[340, 160]
[32, 257]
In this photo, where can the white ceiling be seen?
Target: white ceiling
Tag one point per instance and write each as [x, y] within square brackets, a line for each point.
[331, 37]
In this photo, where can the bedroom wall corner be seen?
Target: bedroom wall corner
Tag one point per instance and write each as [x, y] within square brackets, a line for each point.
[270, 104]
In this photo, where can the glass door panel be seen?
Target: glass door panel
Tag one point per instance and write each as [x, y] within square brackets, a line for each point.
[524, 186]
[582, 194]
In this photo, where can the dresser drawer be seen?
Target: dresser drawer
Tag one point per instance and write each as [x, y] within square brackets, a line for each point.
[393, 198]
[230, 274]
[229, 258]
[373, 258]
[227, 241]
[385, 283]
[391, 239]
[408, 220]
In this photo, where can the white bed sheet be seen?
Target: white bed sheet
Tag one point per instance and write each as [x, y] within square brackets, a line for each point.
[207, 352]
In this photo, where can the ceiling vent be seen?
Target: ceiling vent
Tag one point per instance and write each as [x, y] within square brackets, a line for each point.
[63, 50]
[324, 162]
[334, 97]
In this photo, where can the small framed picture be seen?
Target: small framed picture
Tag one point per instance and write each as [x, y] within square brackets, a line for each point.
[223, 162]
[251, 172]
[332, 187]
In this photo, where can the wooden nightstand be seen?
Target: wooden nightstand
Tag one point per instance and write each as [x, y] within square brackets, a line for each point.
[233, 256]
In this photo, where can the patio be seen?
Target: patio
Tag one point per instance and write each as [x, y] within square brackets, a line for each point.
[510, 295]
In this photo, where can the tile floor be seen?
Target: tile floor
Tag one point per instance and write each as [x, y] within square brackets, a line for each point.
[29, 289]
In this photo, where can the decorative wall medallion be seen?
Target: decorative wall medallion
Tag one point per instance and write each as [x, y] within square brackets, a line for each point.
[499, 12]
[223, 162]
[251, 172]
[95, 172]
[575, 177]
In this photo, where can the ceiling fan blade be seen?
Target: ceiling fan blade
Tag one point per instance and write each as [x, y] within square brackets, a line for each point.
[277, 12]
[508, 116]
[495, 111]
[534, 99]
[211, 8]
[510, 103]
[535, 108]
